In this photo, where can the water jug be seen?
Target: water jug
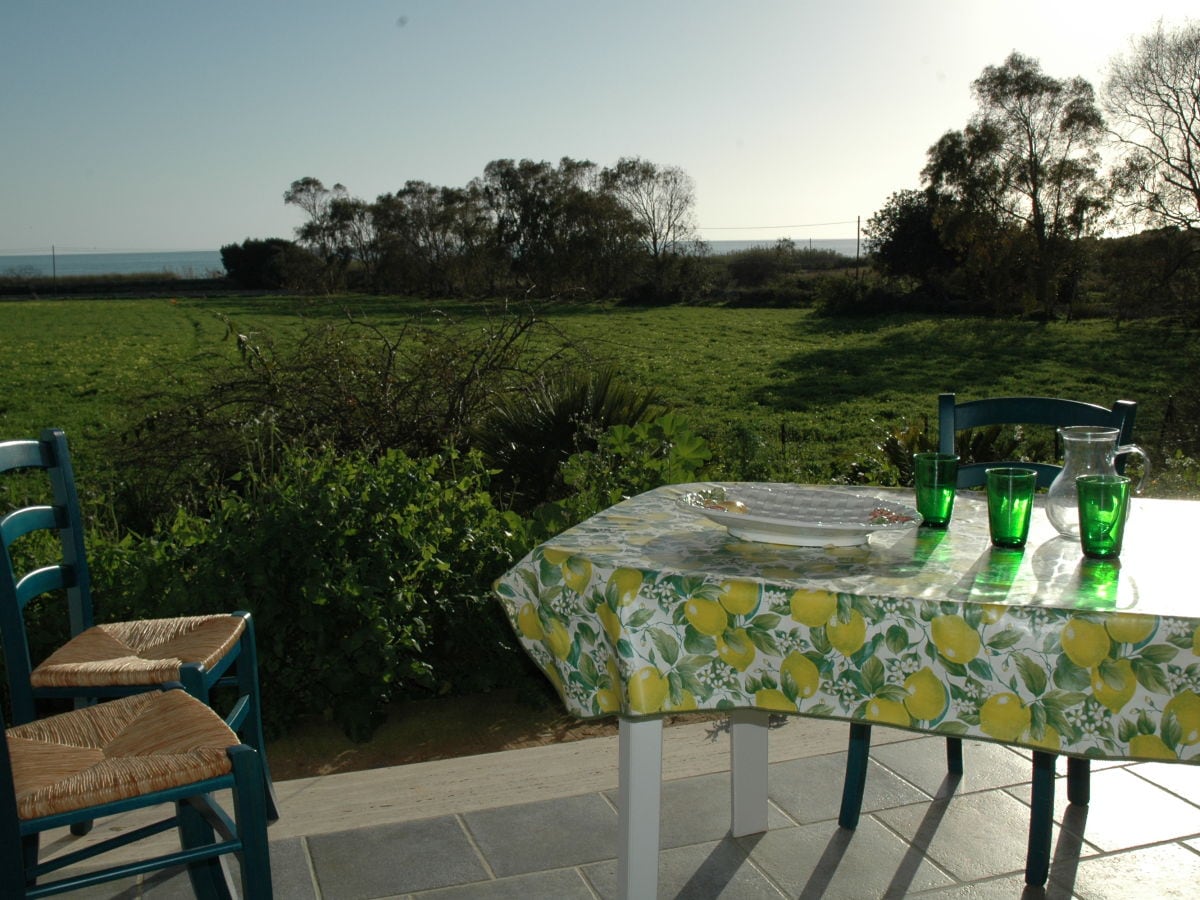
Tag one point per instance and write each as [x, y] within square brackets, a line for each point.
[1086, 451]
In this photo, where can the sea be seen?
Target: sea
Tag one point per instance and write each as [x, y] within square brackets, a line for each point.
[207, 263]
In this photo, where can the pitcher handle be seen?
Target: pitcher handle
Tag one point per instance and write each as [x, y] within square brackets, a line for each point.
[1137, 451]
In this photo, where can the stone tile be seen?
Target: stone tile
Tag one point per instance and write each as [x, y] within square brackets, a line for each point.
[810, 790]
[699, 809]
[550, 834]
[972, 836]
[121, 889]
[923, 763]
[561, 884]
[1165, 872]
[823, 860]
[290, 873]
[1009, 888]
[394, 859]
[1127, 811]
[708, 871]
[1182, 780]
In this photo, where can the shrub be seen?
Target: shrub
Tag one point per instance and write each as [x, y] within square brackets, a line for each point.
[628, 460]
[348, 386]
[369, 580]
[531, 432]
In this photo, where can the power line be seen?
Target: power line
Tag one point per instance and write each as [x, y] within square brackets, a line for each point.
[757, 227]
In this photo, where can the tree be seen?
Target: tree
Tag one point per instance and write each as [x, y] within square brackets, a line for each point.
[259, 265]
[1153, 99]
[904, 238]
[551, 222]
[324, 232]
[661, 200]
[1028, 160]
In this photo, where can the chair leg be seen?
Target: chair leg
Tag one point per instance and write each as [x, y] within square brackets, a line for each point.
[857, 756]
[247, 675]
[209, 881]
[1041, 819]
[954, 763]
[251, 803]
[1079, 780]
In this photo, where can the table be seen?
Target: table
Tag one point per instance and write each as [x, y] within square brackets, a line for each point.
[649, 608]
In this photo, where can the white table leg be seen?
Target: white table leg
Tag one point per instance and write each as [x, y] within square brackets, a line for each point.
[638, 807]
[748, 767]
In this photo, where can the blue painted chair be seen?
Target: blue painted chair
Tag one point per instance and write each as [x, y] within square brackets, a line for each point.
[953, 418]
[150, 749]
[103, 661]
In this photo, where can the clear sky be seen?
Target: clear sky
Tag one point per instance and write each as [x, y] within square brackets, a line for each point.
[178, 124]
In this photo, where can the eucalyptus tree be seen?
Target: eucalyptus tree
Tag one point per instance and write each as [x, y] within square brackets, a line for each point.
[661, 200]
[1022, 177]
[550, 222]
[435, 240]
[325, 230]
[1152, 97]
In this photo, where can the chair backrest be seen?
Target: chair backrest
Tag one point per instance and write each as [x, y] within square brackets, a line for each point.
[955, 417]
[69, 572]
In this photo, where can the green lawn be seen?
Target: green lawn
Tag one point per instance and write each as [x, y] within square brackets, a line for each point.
[808, 396]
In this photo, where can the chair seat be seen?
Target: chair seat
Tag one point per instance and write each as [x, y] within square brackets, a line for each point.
[117, 750]
[148, 652]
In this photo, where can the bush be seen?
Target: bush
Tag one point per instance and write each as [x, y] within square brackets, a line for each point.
[369, 581]
[258, 265]
[349, 386]
[532, 431]
[627, 460]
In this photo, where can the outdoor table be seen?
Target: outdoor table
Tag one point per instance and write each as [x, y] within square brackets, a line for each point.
[649, 608]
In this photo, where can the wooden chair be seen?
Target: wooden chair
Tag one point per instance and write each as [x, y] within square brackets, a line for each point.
[115, 659]
[149, 749]
[953, 418]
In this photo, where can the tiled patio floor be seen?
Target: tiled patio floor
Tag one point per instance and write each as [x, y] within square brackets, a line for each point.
[922, 834]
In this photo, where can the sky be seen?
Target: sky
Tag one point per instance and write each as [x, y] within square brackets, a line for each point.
[140, 125]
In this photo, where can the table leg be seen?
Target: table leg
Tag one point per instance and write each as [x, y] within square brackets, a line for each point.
[1041, 819]
[748, 768]
[639, 797]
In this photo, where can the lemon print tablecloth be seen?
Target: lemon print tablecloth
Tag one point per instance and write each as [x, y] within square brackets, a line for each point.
[651, 608]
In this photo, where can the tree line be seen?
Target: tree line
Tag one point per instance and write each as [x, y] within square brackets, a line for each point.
[1011, 215]
[1011, 210]
[530, 227]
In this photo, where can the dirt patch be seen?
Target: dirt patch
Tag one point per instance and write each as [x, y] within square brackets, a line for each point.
[433, 729]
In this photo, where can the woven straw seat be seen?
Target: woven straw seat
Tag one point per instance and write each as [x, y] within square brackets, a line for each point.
[116, 750]
[146, 652]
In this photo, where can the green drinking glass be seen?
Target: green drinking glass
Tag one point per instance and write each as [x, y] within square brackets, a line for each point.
[1103, 509]
[1010, 505]
[936, 477]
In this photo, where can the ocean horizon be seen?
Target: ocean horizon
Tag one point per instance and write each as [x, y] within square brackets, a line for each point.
[207, 263]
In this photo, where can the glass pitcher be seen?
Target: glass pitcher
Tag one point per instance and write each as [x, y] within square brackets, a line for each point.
[1086, 451]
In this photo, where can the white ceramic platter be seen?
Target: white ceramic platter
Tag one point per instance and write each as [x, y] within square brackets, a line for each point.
[800, 516]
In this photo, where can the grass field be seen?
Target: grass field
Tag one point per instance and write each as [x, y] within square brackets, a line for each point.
[778, 392]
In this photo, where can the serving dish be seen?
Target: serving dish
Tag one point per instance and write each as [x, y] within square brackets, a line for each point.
[798, 515]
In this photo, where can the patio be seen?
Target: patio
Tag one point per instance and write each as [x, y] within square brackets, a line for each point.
[542, 823]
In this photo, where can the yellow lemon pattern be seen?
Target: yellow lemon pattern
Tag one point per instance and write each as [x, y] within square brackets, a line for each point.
[740, 598]
[1004, 717]
[812, 608]
[927, 697]
[706, 616]
[773, 631]
[803, 673]
[847, 637]
[955, 639]
[624, 584]
[647, 690]
[1085, 643]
